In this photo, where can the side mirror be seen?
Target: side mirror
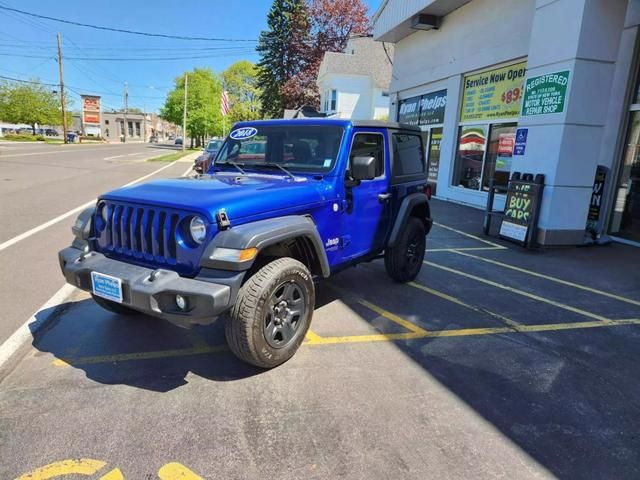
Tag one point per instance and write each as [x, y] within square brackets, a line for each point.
[363, 168]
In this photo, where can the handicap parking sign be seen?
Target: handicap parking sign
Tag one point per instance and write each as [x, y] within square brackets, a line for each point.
[521, 141]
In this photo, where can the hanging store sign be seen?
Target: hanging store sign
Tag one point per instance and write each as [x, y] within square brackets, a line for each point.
[423, 110]
[90, 109]
[493, 94]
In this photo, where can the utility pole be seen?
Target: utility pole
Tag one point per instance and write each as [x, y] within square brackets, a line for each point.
[184, 112]
[64, 113]
[126, 110]
[144, 124]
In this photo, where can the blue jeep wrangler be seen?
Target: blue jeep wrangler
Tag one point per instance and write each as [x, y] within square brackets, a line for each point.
[284, 203]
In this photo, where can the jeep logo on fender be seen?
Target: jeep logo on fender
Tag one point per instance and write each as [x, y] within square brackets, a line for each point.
[242, 133]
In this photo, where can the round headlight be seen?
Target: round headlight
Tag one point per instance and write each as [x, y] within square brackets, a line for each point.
[104, 212]
[197, 229]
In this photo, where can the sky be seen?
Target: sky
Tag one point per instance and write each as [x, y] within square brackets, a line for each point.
[28, 47]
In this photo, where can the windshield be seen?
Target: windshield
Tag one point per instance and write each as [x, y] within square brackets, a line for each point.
[214, 145]
[309, 148]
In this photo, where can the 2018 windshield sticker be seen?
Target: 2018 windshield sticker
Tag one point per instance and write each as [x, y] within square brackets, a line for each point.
[243, 133]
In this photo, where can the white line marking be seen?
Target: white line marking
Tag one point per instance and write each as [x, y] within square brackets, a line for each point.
[33, 324]
[26, 331]
[188, 171]
[59, 218]
[49, 152]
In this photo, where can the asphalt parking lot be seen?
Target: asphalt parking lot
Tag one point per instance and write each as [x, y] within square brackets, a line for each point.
[495, 363]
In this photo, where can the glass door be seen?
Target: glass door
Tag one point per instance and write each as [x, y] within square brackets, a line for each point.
[625, 218]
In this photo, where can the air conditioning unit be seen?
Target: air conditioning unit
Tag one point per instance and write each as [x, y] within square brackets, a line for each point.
[423, 21]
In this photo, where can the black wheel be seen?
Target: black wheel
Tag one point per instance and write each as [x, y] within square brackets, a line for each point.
[272, 313]
[404, 260]
[114, 307]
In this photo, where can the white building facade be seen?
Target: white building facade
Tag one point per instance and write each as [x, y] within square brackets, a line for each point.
[354, 83]
[534, 86]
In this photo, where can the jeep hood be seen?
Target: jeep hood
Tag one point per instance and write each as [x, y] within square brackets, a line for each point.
[240, 195]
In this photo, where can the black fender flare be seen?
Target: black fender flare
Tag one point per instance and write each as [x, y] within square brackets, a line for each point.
[262, 234]
[406, 207]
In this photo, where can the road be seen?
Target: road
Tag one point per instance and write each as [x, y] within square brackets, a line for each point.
[495, 363]
[39, 183]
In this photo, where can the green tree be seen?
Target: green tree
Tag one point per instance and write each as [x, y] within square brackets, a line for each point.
[203, 105]
[241, 82]
[278, 48]
[31, 103]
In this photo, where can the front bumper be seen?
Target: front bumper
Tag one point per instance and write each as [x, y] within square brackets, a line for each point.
[153, 294]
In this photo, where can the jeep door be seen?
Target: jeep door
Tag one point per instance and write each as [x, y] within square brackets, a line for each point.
[366, 218]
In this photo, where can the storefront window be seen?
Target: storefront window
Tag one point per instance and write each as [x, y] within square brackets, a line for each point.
[497, 163]
[625, 219]
[472, 140]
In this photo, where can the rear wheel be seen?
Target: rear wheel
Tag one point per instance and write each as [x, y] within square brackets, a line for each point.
[114, 307]
[404, 260]
[272, 313]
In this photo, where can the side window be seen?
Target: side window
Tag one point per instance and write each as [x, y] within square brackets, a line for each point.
[369, 145]
[408, 157]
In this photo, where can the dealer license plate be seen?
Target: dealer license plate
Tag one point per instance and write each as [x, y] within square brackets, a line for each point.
[106, 286]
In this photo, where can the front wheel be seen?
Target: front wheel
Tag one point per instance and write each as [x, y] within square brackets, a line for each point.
[404, 260]
[272, 313]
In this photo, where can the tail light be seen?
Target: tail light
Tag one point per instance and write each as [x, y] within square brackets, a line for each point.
[428, 190]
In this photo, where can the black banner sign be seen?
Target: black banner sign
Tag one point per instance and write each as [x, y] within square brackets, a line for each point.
[423, 110]
[596, 199]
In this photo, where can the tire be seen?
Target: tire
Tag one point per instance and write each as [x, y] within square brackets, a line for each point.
[114, 307]
[403, 262]
[272, 313]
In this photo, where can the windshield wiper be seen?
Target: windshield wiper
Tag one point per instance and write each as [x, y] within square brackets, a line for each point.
[273, 165]
[235, 164]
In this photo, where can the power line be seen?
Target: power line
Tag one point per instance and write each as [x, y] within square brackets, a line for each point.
[131, 32]
[136, 59]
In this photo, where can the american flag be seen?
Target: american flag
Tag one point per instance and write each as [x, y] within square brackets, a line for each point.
[224, 103]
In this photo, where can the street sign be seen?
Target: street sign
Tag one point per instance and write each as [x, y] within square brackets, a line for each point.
[521, 141]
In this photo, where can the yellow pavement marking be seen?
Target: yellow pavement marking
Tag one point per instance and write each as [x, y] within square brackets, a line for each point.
[177, 471]
[468, 249]
[521, 292]
[550, 278]
[196, 339]
[394, 318]
[312, 336]
[501, 247]
[114, 474]
[82, 466]
[467, 332]
[126, 357]
[457, 301]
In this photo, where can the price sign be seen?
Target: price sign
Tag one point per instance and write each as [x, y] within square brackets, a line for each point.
[494, 93]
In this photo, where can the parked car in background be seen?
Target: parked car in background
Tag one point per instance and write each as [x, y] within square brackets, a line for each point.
[51, 132]
[171, 136]
[178, 141]
[203, 162]
[153, 139]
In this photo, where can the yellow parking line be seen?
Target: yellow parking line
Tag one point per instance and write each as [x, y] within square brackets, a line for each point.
[393, 317]
[548, 277]
[312, 336]
[82, 466]
[501, 247]
[468, 249]
[521, 292]
[457, 301]
[177, 471]
[468, 332]
[126, 357]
